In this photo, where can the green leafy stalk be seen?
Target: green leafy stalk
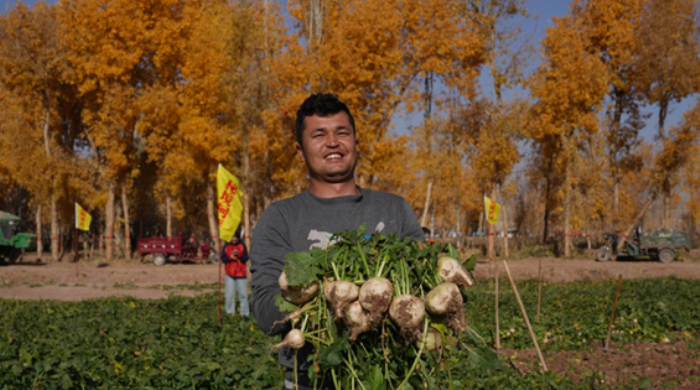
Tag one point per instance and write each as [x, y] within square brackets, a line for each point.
[426, 322]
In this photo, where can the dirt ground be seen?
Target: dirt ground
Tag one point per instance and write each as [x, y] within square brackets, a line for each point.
[663, 365]
[69, 281]
[672, 365]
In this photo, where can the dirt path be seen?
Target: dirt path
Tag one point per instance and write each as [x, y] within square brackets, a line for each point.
[558, 270]
[86, 280]
[71, 282]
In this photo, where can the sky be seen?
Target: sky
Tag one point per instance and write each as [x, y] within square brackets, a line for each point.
[541, 13]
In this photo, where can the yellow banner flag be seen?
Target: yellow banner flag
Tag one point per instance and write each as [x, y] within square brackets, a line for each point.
[492, 210]
[230, 207]
[82, 218]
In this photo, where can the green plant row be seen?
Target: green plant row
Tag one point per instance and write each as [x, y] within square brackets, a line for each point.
[175, 343]
[575, 315]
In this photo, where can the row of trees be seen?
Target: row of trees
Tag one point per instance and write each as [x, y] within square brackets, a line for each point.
[127, 106]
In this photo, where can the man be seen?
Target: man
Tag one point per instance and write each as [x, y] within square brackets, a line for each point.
[327, 143]
[235, 256]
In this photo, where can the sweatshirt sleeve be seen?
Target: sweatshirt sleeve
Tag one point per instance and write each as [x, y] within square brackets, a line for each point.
[270, 243]
[411, 227]
[244, 255]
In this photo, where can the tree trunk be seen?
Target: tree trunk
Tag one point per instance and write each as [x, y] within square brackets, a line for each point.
[39, 244]
[54, 230]
[168, 217]
[545, 221]
[666, 185]
[246, 219]
[213, 222]
[109, 224]
[127, 228]
[567, 214]
[490, 253]
[616, 200]
[246, 197]
[52, 205]
[505, 230]
[426, 206]
[458, 228]
[481, 223]
[100, 240]
[588, 230]
[547, 194]
[667, 204]
[567, 226]
[118, 229]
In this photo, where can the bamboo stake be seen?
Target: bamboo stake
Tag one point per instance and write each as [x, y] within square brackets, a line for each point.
[527, 321]
[498, 328]
[612, 316]
[539, 292]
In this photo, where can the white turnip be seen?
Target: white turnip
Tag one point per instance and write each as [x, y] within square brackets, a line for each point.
[340, 294]
[450, 270]
[375, 295]
[356, 319]
[294, 339]
[445, 301]
[297, 295]
[408, 312]
[433, 340]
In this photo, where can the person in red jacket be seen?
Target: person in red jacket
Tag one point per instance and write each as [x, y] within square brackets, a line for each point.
[235, 256]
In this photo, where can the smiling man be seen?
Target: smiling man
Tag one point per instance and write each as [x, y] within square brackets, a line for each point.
[327, 143]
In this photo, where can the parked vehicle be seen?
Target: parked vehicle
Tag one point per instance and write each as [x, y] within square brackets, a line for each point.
[654, 244]
[511, 233]
[12, 244]
[177, 249]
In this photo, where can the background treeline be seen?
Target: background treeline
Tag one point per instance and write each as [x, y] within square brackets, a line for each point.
[127, 107]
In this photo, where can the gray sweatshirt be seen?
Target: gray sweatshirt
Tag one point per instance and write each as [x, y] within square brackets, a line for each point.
[304, 222]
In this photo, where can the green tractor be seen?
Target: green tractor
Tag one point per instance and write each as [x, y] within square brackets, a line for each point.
[652, 244]
[13, 244]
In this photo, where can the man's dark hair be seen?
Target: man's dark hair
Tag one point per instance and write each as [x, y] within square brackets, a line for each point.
[321, 104]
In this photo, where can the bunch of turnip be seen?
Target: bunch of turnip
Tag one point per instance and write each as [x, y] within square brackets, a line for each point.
[371, 300]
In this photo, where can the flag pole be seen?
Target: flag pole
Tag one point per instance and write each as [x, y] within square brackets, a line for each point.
[218, 258]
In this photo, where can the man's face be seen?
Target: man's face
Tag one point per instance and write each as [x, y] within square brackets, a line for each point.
[329, 148]
[234, 240]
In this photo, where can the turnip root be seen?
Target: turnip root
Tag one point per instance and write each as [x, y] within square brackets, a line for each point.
[297, 295]
[340, 294]
[433, 340]
[375, 295]
[450, 270]
[356, 319]
[375, 298]
[408, 312]
[294, 339]
[445, 301]
[293, 317]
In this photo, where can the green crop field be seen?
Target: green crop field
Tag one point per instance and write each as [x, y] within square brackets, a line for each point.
[175, 343]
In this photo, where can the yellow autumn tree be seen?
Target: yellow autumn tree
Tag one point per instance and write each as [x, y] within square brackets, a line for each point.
[102, 39]
[37, 108]
[668, 70]
[568, 88]
[376, 55]
[611, 28]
